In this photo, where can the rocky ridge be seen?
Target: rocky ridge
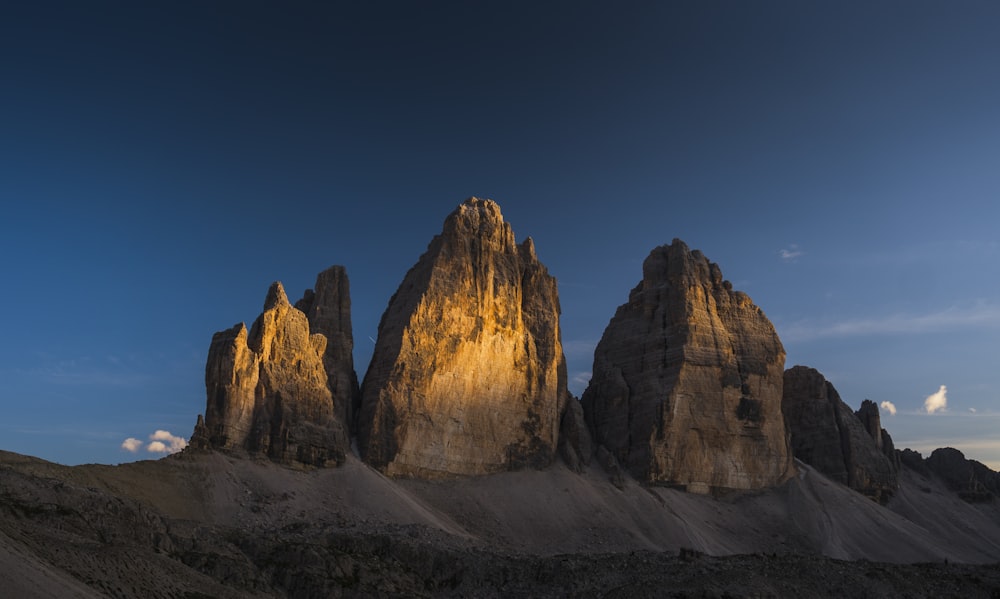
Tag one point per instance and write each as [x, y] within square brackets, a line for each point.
[972, 480]
[684, 396]
[687, 379]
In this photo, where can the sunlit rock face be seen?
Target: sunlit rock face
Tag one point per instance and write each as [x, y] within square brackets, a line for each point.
[270, 390]
[468, 375]
[686, 386]
[849, 447]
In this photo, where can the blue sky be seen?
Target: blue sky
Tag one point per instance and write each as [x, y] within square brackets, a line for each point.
[162, 163]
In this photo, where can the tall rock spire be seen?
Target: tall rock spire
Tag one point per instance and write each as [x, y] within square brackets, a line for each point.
[686, 386]
[468, 374]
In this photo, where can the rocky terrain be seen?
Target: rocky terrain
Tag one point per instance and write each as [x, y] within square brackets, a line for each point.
[694, 465]
[208, 524]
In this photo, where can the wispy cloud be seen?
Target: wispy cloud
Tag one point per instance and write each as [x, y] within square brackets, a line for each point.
[161, 441]
[888, 406]
[937, 402]
[580, 348]
[790, 253]
[982, 315]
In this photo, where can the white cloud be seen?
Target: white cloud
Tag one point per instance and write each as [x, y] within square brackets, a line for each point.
[132, 444]
[888, 406]
[157, 447]
[164, 442]
[161, 441]
[790, 253]
[981, 315]
[937, 402]
[973, 410]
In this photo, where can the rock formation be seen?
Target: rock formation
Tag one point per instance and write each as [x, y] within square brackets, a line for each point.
[686, 386]
[850, 448]
[282, 390]
[973, 481]
[468, 375]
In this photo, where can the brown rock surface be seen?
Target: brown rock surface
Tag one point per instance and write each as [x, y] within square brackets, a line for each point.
[468, 375]
[686, 385]
[850, 448]
[269, 390]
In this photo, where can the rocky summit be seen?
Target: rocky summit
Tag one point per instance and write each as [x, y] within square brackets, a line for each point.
[281, 390]
[468, 375]
[849, 447]
[686, 386]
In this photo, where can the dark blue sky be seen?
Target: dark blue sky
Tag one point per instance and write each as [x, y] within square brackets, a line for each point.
[162, 163]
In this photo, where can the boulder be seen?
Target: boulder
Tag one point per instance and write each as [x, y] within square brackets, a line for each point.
[468, 375]
[686, 385]
[850, 448]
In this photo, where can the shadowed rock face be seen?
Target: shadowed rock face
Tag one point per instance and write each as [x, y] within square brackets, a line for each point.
[468, 374]
[973, 481]
[850, 448]
[686, 385]
[279, 390]
[328, 309]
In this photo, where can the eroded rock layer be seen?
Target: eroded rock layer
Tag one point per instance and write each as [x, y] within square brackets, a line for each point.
[686, 386]
[276, 389]
[468, 374]
[849, 447]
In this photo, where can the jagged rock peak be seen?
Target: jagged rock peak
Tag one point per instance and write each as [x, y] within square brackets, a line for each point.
[272, 391]
[275, 296]
[686, 386]
[468, 375]
[848, 447]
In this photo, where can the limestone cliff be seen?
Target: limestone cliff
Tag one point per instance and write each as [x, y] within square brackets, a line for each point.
[270, 390]
[851, 448]
[686, 386]
[468, 374]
